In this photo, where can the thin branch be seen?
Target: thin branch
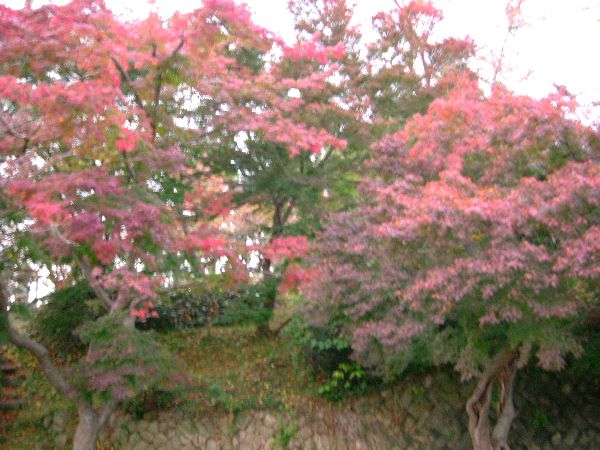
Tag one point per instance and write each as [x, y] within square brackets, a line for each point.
[294, 178]
[138, 100]
[10, 130]
[281, 327]
[288, 211]
[175, 51]
[125, 78]
[157, 89]
[129, 166]
[325, 158]
[98, 290]
[53, 229]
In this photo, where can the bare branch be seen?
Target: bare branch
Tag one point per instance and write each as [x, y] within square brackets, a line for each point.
[53, 228]
[10, 130]
[125, 78]
[175, 51]
[129, 166]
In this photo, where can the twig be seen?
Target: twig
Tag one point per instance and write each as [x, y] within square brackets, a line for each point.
[125, 78]
[10, 130]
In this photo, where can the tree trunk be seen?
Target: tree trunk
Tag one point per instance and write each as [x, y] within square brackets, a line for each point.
[263, 329]
[506, 407]
[90, 421]
[502, 370]
[88, 429]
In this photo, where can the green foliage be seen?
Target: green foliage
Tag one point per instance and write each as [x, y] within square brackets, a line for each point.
[588, 331]
[219, 396]
[540, 420]
[151, 400]
[199, 307]
[223, 395]
[247, 305]
[187, 308]
[325, 351]
[329, 356]
[67, 309]
[286, 433]
[348, 379]
[123, 360]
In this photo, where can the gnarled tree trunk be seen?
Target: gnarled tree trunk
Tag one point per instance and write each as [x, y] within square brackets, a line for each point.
[90, 421]
[88, 429]
[502, 371]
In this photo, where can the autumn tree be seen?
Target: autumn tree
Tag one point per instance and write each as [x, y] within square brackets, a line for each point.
[476, 243]
[103, 124]
[408, 66]
[287, 187]
[79, 149]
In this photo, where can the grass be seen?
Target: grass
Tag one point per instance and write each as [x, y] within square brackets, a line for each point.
[235, 370]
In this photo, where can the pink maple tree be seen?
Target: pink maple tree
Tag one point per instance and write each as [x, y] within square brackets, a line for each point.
[476, 238]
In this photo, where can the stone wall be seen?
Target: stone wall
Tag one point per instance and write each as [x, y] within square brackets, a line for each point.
[421, 413]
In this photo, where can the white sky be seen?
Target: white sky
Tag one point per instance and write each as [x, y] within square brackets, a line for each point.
[558, 45]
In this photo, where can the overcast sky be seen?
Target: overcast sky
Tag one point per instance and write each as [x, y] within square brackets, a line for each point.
[558, 45]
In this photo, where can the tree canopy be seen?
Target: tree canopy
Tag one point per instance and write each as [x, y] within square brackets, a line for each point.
[422, 213]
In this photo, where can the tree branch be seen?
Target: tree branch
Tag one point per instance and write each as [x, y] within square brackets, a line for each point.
[38, 350]
[288, 211]
[282, 326]
[10, 130]
[125, 78]
[175, 51]
[129, 166]
[98, 290]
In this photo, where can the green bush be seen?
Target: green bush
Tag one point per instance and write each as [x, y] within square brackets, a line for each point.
[151, 400]
[64, 311]
[330, 358]
[187, 308]
[246, 306]
[325, 351]
[588, 331]
[199, 307]
[348, 379]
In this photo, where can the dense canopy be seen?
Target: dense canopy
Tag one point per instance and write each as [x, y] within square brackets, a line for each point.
[421, 214]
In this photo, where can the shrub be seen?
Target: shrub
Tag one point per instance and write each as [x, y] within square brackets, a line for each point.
[125, 362]
[204, 306]
[247, 306]
[151, 400]
[347, 379]
[64, 311]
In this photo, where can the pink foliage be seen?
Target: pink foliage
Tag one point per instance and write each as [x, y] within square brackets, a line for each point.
[487, 204]
[286, 247]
